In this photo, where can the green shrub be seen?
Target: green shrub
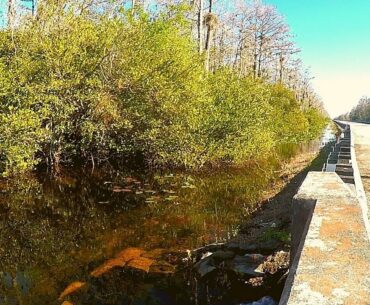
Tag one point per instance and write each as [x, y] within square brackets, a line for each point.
[289, 123]
[94, 87]
[237, 118]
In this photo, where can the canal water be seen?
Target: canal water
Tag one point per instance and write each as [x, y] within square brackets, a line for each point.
[108, 237]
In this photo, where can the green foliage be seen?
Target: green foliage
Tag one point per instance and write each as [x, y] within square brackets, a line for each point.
[275, 234]
[316, 123]
[19, 132]
[289, 123]
[95, 87]
[237, 118]
[359, 113]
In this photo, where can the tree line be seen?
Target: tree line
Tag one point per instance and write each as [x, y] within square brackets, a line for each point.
[359, 113]
[172, 83]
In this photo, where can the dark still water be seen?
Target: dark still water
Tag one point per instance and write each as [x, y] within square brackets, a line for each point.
[120, 238]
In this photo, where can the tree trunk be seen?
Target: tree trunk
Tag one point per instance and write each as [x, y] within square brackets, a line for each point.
[11, 13]
[255, 55]
[209, 38]
[281, 61]
[200, 26]
[256, 65]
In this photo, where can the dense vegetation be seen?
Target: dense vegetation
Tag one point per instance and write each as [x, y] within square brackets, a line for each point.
[359, 113]
[92, 84]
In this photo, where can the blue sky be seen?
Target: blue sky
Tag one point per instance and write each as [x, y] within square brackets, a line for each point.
[334, 36]
[2, 9]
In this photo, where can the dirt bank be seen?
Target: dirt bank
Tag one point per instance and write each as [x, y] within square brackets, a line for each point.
[255, 263]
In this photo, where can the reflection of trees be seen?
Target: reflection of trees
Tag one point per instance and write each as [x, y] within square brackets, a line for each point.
[42, 228]
[55, 232]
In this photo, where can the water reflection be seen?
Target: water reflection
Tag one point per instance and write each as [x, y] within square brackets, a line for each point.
[56, 232]
[330, 135]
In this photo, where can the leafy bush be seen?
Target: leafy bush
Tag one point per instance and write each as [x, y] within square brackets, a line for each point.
[316, 123]
[289, 123]
[94, 87]
[237, 120]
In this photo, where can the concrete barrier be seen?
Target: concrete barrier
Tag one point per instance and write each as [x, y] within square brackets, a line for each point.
[330, 255]
[341, 156]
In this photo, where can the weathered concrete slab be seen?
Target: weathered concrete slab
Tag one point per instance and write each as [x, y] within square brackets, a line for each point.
[330, 245]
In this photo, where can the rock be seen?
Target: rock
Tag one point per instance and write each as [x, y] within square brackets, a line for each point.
[279, 260]
[205, 255]
[209, 261]
[283, 258]
[269, 246]
[223, 255]
[263, 301]
[233, 246]
[248, 265]
[249, 248]
[254, 258]
[208, 248]
[204, 267]
[256, 281]
[265, 247]
[247, 270]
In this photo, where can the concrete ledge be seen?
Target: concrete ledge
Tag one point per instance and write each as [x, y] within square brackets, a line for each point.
[330, 261]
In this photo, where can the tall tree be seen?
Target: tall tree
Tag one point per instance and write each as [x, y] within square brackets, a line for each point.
[200, 25]
[211, 22]
[11, 13]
